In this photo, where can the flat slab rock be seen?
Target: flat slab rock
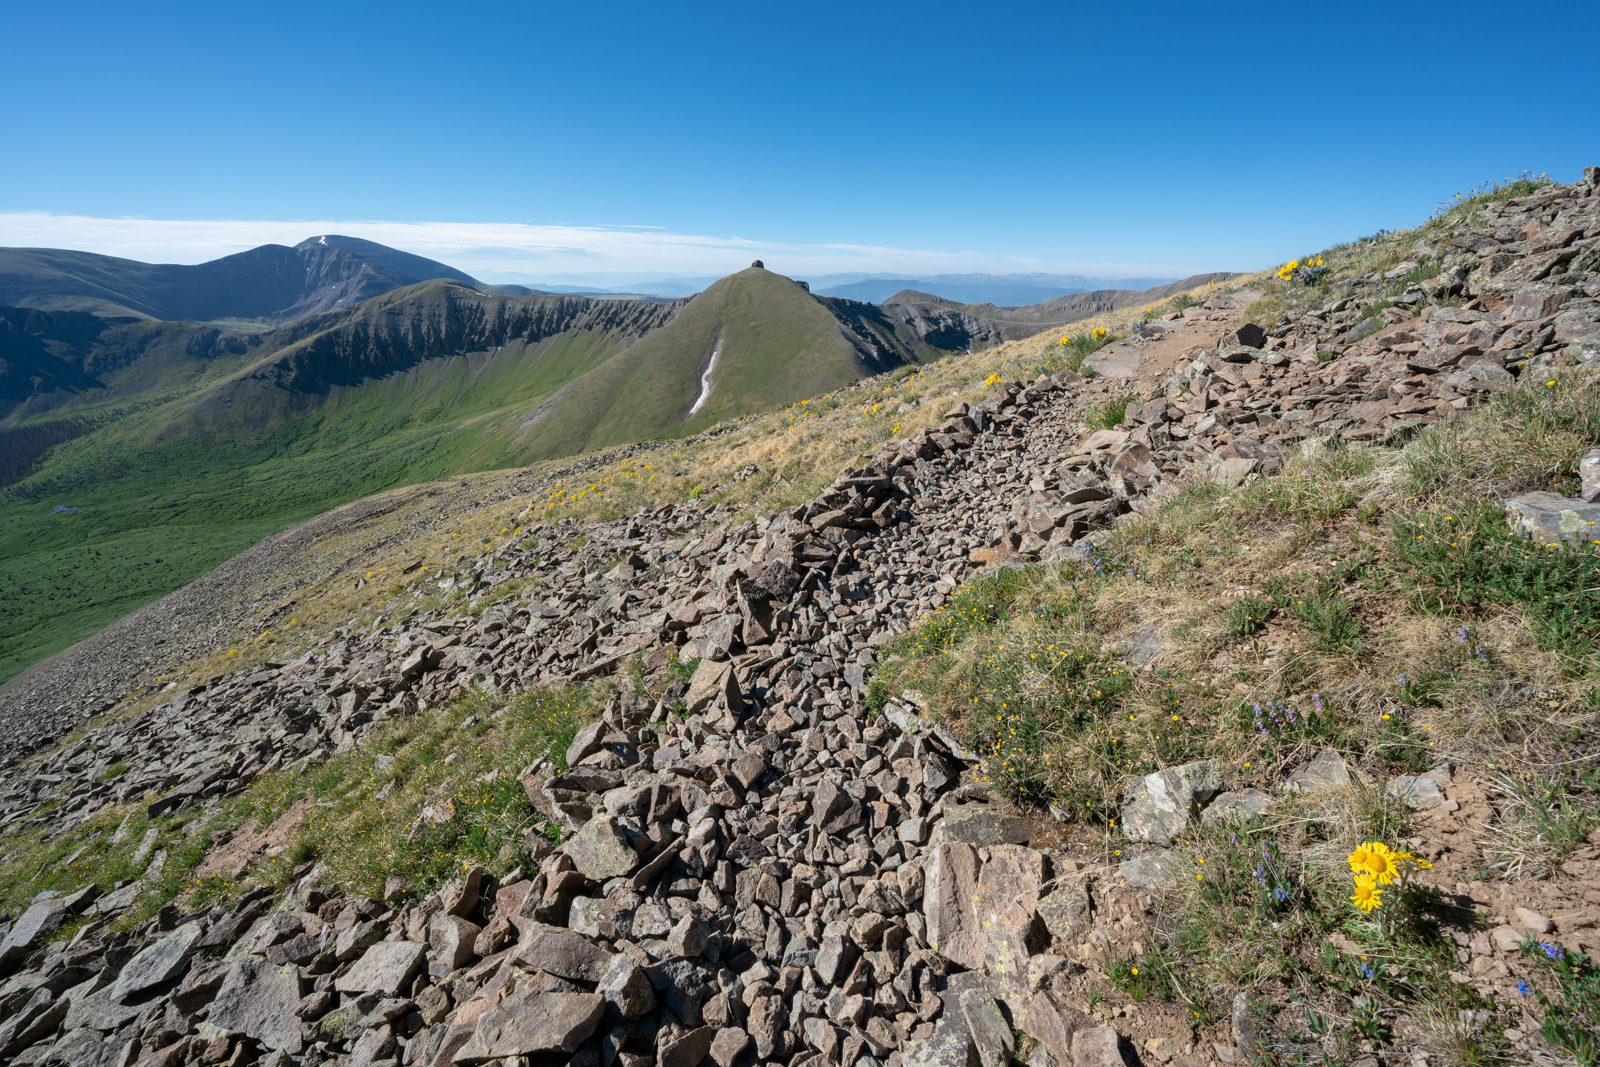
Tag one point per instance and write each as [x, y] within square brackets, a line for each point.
[259, 1001]
[980, 824]
[159, 963]
[41, 917]
[565, 954]
[1152, 870]
[385, 968]
[1548, 518]
[531, 1022]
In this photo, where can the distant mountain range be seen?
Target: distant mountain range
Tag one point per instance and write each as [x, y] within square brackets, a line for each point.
[275, 284]
[1034, 318]
[157, 419]
[1004, 290]
[173, 445]
[266, 285]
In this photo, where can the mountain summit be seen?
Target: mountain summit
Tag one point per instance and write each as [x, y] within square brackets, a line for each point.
[309, 376]
[419, 268]
[263, 286]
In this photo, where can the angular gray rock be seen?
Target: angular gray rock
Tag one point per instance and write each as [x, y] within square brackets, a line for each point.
[451, 939]
[375, 1045]
[951, 874]
[1157, 807]
[529, 1022]
[159, 963]
[991, 1034]
[728, 1048]
[688, 1049]
[627, 991]
[601, 851]
[950, 1046]
[711, 681]
[1589, 477]
[259, 1001]
[565, 954]
[40, 918]
[385, 968]
[1065, 910]
[689, 937]
[983, 825]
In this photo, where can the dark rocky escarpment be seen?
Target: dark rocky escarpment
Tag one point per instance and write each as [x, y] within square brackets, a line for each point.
[400, 332]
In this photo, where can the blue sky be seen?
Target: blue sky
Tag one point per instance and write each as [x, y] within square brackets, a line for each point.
[1078, 138]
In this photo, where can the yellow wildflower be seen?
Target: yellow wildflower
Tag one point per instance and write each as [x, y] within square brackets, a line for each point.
[1367, 895]
[1381, 863]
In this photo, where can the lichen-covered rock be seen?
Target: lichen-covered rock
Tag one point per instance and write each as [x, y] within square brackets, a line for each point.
[1006, 903]
[1158, 806]
[1237, 807]
[1327, 771]
[1550, 519]
[259, 1001]
[1065, 910]
[601, 850]
[385, 968]
[983, 824]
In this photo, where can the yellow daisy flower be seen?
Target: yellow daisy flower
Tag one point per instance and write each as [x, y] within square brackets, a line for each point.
[1367, 895]
[1381, 863]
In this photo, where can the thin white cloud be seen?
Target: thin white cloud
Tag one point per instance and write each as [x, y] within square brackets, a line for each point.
[489, 249]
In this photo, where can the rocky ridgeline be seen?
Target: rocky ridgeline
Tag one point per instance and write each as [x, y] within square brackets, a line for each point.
[772, 876]
[1374, 356]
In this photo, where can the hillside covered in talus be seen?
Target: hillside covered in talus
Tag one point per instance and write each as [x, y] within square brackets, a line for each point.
[1213, 683]
[137, 454]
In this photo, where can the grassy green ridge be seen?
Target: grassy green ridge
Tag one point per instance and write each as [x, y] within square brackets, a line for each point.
[161, 496]
[777, 343]
[197, 446]
[151, 516]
